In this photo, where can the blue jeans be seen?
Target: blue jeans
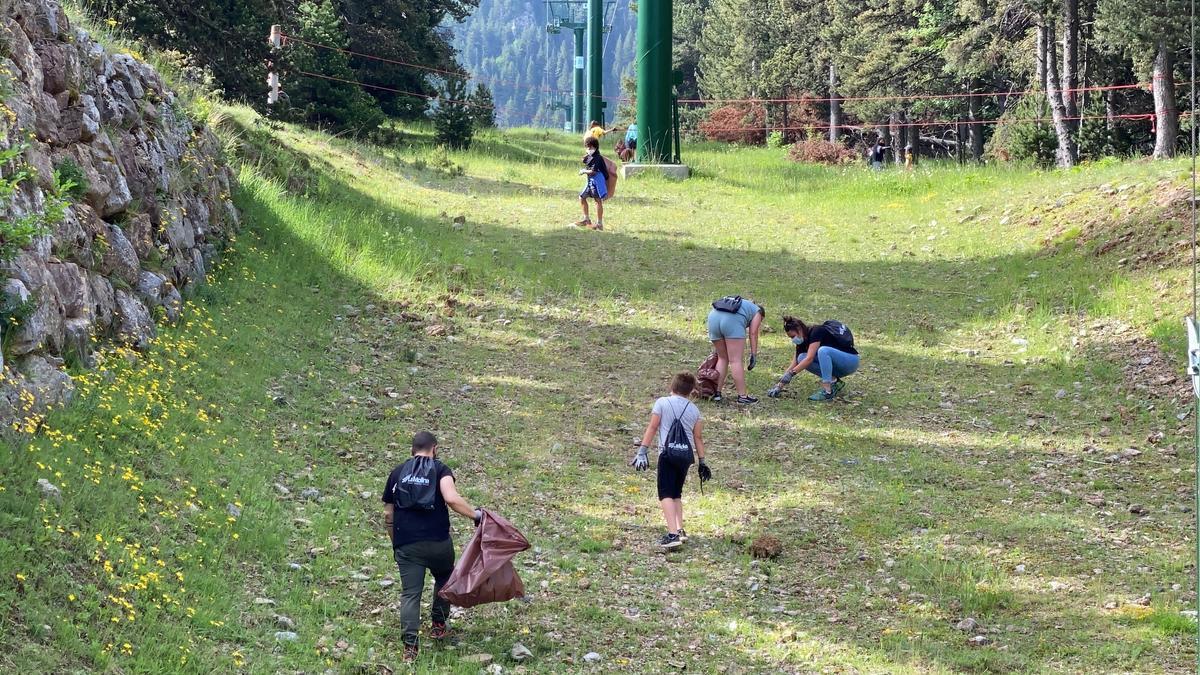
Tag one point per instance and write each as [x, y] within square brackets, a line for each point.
[831, 363]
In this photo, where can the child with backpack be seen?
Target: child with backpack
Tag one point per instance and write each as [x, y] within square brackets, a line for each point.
[676, 421]
[596, 187]
[826, 351]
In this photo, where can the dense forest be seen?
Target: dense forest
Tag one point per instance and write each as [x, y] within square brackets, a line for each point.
[505, 45]
[1054, 81]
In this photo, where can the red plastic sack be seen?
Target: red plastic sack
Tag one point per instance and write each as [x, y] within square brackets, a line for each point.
[484, 573]
[707, 377]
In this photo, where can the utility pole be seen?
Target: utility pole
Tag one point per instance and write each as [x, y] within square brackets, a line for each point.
[275, 39]
[595, 44]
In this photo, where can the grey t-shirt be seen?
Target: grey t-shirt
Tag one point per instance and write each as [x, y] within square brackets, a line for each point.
[668, 408]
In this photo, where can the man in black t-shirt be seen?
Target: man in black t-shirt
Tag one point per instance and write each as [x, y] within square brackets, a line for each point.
[826, 350]
[417, 501]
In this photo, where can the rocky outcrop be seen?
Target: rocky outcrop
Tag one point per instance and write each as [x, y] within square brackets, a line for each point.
[149, 215]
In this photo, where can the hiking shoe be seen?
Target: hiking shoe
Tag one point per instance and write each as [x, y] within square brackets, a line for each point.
[822, 395]
[583, 223]
[746, 400]
[838, 386]
[682, 534]
[410, 653]
[670, 541]
[716, 398]
[438, 631]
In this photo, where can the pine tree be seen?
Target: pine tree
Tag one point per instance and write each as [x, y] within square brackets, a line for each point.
[483, 108]
[1154, 34]
[453, 124]
[326, 98]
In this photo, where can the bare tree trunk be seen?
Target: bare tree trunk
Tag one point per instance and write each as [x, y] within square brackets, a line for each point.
[1110, 109]
[914, 142]
[1166, 110]
[1065, 155]
[1040, 70]
[835, 106]
[897, 133]
[1070, 61]
[974, 128]
[1086, 27]
[787, 127]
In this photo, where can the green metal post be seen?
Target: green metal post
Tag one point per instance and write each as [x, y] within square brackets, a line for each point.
[595, 64]
[579, 60]
[654, 81]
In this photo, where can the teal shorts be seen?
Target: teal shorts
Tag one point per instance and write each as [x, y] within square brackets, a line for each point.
[726, 325]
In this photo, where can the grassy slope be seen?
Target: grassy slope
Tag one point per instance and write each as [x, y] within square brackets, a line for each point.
[966, 447]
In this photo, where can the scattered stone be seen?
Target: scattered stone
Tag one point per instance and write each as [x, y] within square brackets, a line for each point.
[494, 669]
[1057, 586]
[520, 652]
[1138, 509]
[264, 601]
[295, 566]
[49, 490]
[233, 510]
[584, 584]
[310, 493]
[978, 640]
[1020, 569]
[387, 583]
[591, 657]
[477, 658]
[286, 636]
[359, 576]
[284, 623]
[967, 625]
[282, 490]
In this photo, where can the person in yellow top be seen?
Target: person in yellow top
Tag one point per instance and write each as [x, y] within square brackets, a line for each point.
[596, 131]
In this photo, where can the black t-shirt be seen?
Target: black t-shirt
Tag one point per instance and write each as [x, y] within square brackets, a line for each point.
[410, 525]
[828, 336]
[877, 153]
[594, 162]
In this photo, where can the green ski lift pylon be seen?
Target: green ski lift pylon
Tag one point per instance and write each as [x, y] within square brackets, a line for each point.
[570, 15]
[655, 93]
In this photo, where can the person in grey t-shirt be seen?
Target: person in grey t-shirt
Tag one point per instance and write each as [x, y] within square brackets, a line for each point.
[671, 473]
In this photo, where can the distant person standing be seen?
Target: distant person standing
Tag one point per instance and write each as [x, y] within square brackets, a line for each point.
[877, 153]
[630, 143]
[732, 320]
[596, 187]
[597, 131]
[416, 509]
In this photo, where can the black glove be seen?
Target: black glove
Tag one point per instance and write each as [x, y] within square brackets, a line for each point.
[704, 472]
[753, 361]
[478, 517]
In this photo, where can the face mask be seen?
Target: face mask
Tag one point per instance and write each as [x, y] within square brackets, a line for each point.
[797, 341]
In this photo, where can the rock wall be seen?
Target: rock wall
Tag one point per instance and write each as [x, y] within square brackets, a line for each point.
[151, 213]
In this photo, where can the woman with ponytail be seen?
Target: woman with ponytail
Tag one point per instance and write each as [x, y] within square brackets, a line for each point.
[826, 350]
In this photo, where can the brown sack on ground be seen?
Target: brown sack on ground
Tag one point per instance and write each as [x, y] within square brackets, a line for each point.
[485, 572]
[707, 377]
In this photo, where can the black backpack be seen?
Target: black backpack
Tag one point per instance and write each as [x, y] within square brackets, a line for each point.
[678, 448]
[417, 486]
[729, 303]
[839, 328]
